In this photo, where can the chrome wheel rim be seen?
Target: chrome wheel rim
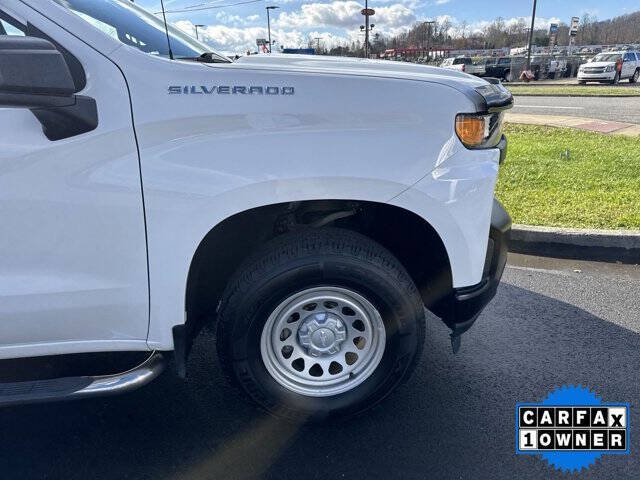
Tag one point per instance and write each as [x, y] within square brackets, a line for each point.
[323, 341]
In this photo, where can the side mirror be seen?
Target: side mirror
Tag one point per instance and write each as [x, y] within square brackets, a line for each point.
[34, 75]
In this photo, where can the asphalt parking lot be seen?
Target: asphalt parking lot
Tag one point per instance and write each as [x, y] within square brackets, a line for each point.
[553, 322]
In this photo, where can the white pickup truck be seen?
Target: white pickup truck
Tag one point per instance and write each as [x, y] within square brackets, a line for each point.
[310, 207]
[464, 64]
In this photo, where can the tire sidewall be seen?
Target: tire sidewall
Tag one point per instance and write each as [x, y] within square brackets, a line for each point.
[372, 282]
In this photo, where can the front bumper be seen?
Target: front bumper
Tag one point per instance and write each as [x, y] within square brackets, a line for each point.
[596, 76]
[463, 306]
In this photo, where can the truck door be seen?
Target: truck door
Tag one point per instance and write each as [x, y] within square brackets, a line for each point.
[73, 268]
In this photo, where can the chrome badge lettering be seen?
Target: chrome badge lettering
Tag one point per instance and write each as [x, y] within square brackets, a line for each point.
[228, 90]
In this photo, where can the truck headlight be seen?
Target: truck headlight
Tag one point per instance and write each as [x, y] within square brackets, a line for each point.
[479, 130]
[609, 68]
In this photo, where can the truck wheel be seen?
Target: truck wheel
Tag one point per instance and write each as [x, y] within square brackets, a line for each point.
[320, 324]
[581, 82]
[507, 76]
[634, 78]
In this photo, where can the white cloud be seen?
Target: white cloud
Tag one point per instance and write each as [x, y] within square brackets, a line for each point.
[338, 14]
[236, 40]
[344, 14]
[395, 16]
[222, 17]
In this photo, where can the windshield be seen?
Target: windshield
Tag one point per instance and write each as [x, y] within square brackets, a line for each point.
[607, 57]
[134, 26]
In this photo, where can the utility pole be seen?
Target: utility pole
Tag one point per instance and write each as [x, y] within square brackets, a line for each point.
[533, 19]
[317, 39]
[272, 7]
[198, 26]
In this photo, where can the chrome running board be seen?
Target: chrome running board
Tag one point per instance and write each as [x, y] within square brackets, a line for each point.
[72, 388]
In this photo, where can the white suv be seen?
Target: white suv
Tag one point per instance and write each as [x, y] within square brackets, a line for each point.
[149, 187]
[611, 67]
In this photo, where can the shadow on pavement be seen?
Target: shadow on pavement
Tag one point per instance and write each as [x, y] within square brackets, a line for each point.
[453, 420]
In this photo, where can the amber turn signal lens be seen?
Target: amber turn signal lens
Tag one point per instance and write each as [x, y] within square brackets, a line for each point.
[471, 129]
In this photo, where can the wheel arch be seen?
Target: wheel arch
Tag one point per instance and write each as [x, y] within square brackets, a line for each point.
[420, 249]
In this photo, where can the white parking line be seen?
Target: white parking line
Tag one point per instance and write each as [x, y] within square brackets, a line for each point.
[549, 106]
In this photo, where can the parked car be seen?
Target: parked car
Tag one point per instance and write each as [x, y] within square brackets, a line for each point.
[507, 69]
[611, 67]
[479, 66]
[152, 187]
[462, 64]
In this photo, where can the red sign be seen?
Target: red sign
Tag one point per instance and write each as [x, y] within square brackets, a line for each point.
[368, 11]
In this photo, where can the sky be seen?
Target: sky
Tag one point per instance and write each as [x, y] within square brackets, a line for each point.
[234, 29]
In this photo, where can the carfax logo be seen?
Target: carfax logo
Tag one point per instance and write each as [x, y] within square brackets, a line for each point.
[571, 428]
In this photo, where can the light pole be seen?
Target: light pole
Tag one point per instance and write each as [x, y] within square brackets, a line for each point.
[272, 7]
[533, 19]
[366, 32]
[198, 26]
[428, 24]
[367, 12]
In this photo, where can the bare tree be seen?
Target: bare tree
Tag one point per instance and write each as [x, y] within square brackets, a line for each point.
[499, 33]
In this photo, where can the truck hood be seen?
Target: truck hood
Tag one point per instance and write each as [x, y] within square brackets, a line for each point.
[485, 96]
[598, 64]
[358, 66]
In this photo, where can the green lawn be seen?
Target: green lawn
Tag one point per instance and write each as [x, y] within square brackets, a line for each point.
[573, 90]
[597, 186]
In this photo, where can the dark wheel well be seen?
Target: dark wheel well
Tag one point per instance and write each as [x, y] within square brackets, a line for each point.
[409, 237]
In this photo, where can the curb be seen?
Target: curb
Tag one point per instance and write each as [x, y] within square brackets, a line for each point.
[577, 244]
[605, 127]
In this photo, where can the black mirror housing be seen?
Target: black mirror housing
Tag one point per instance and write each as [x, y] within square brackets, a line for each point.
[35, 75]
[33, 66]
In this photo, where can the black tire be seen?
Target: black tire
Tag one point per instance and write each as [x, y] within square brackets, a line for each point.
[507, 76]
[636, 75]
[292, 263]
[581, 82]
